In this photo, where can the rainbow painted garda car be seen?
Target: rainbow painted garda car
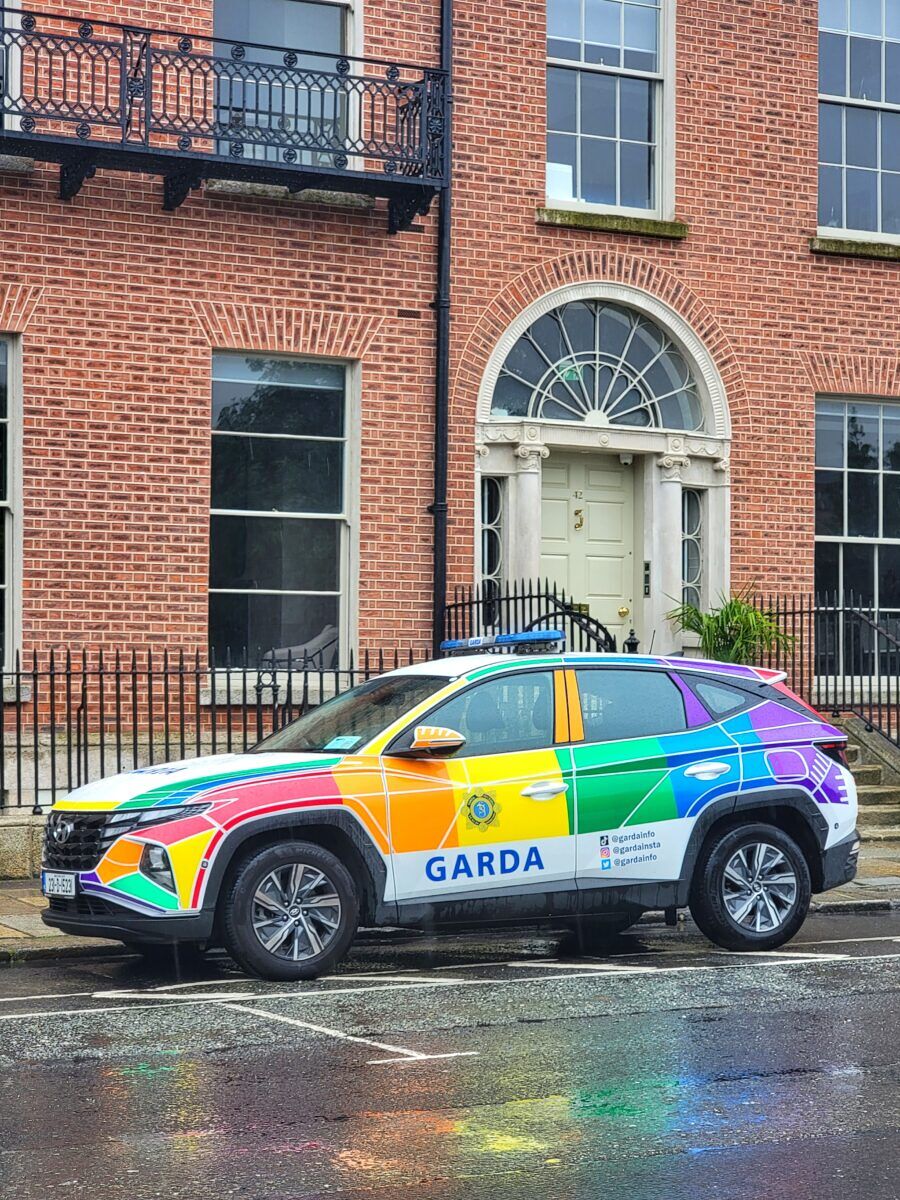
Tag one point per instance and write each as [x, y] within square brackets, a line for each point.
[589, 788]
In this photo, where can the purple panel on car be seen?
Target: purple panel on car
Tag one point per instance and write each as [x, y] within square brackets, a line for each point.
[717, 668]
[694, 711]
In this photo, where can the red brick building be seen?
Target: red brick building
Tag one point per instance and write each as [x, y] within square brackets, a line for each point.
[675, 232]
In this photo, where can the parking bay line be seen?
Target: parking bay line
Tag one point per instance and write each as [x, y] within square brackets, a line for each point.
[402, 1053]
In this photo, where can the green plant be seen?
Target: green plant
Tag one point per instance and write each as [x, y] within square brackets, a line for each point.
[736, 632]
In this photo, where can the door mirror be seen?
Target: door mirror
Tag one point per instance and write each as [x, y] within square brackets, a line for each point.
[434, 739]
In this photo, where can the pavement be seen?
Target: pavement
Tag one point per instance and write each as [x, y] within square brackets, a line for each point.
[23, 935]
[489, 1066]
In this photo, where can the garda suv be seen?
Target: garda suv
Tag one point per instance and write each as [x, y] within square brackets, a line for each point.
[484, 788]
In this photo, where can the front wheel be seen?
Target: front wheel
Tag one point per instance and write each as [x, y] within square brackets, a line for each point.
[290, 912]
[751, 888]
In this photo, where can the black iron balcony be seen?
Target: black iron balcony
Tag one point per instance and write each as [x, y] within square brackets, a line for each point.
[88, 94]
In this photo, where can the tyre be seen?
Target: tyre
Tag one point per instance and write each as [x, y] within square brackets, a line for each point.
[751, 888]
[290, 912]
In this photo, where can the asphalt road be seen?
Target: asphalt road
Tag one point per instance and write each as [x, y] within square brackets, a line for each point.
[494, 1066]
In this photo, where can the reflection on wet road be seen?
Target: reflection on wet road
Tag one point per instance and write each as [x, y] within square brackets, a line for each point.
[476, 1065]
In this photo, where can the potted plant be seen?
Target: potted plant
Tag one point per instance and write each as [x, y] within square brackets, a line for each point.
[735, 632]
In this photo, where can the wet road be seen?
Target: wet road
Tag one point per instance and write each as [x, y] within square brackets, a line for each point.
[472, 1066]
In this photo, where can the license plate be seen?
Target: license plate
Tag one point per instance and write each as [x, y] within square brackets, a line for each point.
[58, 883]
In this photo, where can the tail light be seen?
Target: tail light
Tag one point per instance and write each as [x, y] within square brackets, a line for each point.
[836, 751]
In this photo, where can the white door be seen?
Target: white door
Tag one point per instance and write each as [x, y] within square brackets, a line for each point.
[587, 535]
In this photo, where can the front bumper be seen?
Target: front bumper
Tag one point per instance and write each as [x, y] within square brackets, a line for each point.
[840, 862]
[120, 924]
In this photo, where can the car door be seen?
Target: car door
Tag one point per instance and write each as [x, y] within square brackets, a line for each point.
[648, 761]
[488, 831]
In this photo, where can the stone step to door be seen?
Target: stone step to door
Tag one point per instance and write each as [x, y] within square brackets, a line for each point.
[879, 797]
[868, 775]
[875, 816]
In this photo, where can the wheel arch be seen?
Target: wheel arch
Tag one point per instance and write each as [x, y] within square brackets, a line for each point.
[335, 831]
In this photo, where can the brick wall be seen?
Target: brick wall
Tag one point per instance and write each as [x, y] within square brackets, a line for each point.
[118, 304]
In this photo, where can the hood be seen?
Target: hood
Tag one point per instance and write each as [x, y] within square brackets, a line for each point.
[190, 781]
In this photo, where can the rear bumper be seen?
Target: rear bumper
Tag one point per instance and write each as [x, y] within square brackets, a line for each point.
[126, 926]
[839, 862]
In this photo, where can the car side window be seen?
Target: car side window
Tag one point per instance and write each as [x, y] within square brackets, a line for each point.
[719, 699]
[500, 716]
[619, 704]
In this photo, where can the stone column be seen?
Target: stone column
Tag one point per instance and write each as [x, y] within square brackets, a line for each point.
[525, 522]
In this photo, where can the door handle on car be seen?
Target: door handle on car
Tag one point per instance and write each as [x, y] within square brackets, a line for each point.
[707, 770]
[545, 791]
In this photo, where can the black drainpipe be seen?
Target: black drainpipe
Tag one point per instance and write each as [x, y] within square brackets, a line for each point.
[442, 353]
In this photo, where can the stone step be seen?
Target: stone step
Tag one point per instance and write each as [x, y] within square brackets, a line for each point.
[877, 816]
[886, 836]
[871, 796]
[868, 774]
[853, 753]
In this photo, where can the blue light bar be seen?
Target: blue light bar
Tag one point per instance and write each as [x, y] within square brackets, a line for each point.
[535, 637]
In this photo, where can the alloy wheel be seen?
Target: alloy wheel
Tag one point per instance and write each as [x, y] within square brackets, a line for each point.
[296, 912]
[759, 887]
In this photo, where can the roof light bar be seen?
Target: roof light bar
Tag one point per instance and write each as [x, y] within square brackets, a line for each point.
[535, 639]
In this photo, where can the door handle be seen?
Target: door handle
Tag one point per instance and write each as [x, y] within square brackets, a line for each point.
[707, 770]
[545, 791]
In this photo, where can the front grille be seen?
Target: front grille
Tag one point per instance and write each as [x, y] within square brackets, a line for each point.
[77, 841]
[82, 906]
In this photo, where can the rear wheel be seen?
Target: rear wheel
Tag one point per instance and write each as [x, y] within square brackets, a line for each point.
[751, 888]
[290, 912]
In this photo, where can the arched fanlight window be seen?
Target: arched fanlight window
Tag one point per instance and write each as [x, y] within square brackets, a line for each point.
[602, 364]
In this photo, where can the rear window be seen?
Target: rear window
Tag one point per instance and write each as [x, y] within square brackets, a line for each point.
[619, 704]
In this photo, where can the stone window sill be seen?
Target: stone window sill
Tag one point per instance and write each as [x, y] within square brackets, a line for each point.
[853, 248]
[268, 191]
[567, 218]
[11, 164]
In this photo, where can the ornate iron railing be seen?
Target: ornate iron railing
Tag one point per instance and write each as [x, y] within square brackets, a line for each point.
[89, 94]
[523, 606]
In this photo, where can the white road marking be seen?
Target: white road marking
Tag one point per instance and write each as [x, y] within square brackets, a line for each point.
[848, 941]
[597, 968]
[46, 996]
[402, 1052]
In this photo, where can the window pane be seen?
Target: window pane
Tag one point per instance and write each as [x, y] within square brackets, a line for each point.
[603, 29]
[829, 435]
[863, 436]
[564, 19]
[266, 408]
[256, 368]
[892, 72]
[830, 133]
[4, 378]
[891, 437]
[890, 500]
[831, 204]
[4, 464]
[308, 625]
[562, 150]
[562, 100]
[598, 104]
[275, 475]
[832, 64]
[890, 203]
[274, 554]
[501, 716]
[862, 504]
[889, 576]
[862, 199]
[865, 69]
[628, 704]
[826, 575]
[862, 137]
[636, 110]
[598, 171]
[859, 573]
[636, 183]
[892, 18]
[640, 38]
[833, 14]
[890, 141]
[829, 503]
[719, 698]
[865, 17]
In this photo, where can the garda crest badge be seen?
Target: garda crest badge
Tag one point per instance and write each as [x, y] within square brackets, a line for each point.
[482, 810]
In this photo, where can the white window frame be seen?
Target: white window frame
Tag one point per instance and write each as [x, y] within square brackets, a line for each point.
[845, 232]
[12, 508]
[664, 123]
[348, 582]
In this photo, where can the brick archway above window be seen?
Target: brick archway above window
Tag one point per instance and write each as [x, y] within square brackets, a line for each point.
[17, 305]
[279, 330]
[852, 374]
[604, 269]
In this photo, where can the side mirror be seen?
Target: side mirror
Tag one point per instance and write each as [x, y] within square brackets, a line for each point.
[433, 739]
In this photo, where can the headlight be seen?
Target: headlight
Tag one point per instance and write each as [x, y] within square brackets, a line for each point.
[136, 819]
[156, 866]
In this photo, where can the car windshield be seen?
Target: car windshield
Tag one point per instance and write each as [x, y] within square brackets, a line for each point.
[351, 720]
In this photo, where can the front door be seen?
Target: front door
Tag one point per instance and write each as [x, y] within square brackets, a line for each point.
[587, 535]
[489, 831]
